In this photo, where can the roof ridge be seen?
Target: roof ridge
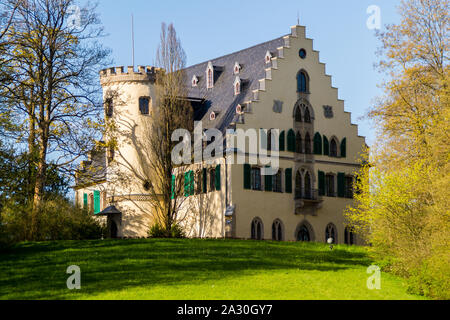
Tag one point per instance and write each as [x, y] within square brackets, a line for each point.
[233, 53]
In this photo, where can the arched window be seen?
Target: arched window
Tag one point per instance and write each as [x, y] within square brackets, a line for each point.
[308, 144]
[308, 186]
[257, 229]
[333, 148]
[291, 141]
[307, 115]
[210, 76]
[304, 233]
[237, 88]
[331, 233]
[302, 82]
[269, 140]
[298, 185]
[349, 237]
[298, 143]
[318, 144]
[282, 141]
[298, 114]
[277, 231]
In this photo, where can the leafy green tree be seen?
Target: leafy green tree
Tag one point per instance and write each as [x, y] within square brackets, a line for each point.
[402, 207]
[52, 94]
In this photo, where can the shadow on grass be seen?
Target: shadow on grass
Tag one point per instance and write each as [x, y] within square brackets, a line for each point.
[38, 270]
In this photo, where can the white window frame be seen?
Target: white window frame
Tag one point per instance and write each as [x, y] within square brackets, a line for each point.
[268, 57]
[237, 81]
[210, 81]
[237, 68]
[194, 81]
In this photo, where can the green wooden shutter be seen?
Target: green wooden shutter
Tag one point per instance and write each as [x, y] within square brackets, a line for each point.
[321, 183]
[291, 141]
[341, 185]
[191, 183]
[268, 183]
[344, 148]
[173, 186]
[204, 181]
[218, 178]
[96, 202]
[85, 201]
[318, 144]
[288, 177]
[247, 176]
[187, 178]
[326, 146]
[282, 141]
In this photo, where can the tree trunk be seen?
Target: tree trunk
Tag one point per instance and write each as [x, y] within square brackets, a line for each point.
[39, 185]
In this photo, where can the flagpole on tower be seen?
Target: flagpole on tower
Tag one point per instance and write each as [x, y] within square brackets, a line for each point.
[132, 38]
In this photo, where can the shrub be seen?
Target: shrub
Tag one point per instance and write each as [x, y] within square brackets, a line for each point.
[158, 231]
[58, 219]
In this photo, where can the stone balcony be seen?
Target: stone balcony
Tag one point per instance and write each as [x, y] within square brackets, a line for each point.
[308, 202]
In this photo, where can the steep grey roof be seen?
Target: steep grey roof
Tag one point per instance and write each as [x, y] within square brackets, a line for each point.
[221, 98]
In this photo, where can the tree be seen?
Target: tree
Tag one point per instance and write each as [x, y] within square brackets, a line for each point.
[53, 59]
[403, 199]
[172, 112]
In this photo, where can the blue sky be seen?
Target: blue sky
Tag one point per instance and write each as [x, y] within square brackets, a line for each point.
[210, 29]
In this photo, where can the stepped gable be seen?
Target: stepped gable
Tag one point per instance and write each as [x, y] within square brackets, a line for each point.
[221, 99]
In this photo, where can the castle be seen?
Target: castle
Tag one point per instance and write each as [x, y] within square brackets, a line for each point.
[277, 85]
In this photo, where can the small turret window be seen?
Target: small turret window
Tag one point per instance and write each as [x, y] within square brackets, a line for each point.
[144, 105]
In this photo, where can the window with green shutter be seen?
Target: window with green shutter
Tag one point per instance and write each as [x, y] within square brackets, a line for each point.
[341, 185]
[96, 202]
[291, 141]
[268, 183]
[344, 148]
[85, 201]
[318, 144]
[321, 183]
[187, 184]
[288, 176]
[282, 141]
[247, 177]
[326, 146]
[218, 178]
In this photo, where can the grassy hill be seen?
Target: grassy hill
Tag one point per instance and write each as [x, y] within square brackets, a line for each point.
[191, 269]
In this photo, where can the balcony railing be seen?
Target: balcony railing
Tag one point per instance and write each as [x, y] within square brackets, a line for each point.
[312, 195]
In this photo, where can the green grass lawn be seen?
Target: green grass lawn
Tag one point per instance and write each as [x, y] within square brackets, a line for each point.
[192, 269]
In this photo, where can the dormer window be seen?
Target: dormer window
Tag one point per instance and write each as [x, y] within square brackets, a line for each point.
[212, 116]
[194, 81]
[210, 76]
[237, 86]
[268, 57]
[239, 109]
[237, 68]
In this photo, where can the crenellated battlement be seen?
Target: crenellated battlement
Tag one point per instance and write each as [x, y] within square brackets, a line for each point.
[117, 74]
